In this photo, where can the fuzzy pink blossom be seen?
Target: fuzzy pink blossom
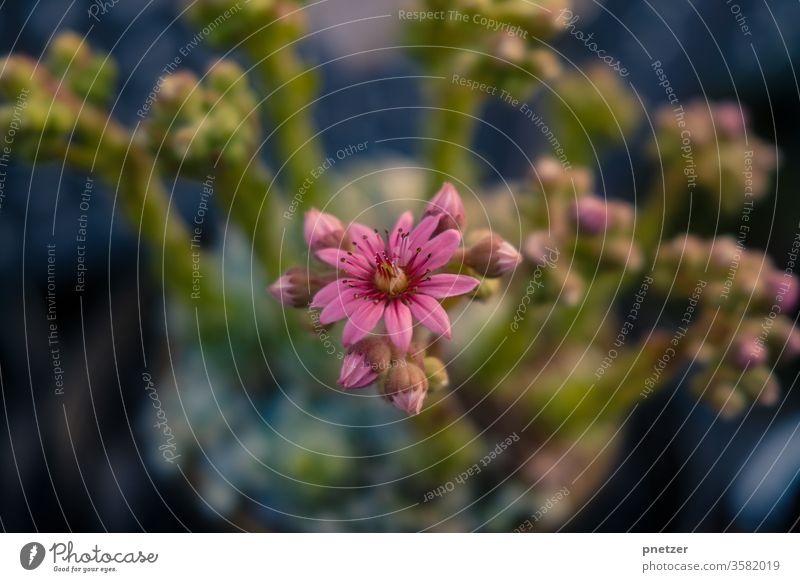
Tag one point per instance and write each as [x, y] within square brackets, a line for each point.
[391, 279]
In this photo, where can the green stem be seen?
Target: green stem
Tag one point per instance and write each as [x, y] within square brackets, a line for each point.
[659, 211]
[451, 439]
[450, 126]
[287, 111]
[251, 202]
[132, 172]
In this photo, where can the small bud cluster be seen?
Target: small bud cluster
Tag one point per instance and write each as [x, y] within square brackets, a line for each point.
[503, 38]
[539, 19]
[707, 145]
[744, 319]
[89, 73]
[56, 97]
[279, 18]
[736, 275]
[194, 123]
[595, 104]
[597, 232]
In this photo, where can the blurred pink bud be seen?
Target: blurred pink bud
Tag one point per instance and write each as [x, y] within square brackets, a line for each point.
[770, 393]
[590, 215]
[538, 251]
[730, 119]
[510, 48]
[492, 256]
[365, 362]
[725, 251]
[548, 173]
[792, 348]
[784, 288]
[405, 386]
[322, 230]
[749, 352]
[296, 287]
[448, 206]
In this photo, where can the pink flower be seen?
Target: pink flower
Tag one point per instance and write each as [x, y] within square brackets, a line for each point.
[391, 280]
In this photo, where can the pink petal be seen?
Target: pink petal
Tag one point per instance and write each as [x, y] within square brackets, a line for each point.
[345, 305]
[362, 321]
[356, 373]
[405, 222]
[328, 293]
[361, 379]
[367, 241]
[331, 256]
[445, 285]
[399, 324]
[354, 264]
[409, 401]
[430, 314]
[441, 248]
[420, 235]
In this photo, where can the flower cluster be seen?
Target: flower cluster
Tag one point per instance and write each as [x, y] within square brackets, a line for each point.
[596, 232]
[708, 144]
[744, 315]
[398, 279]
[191, 123]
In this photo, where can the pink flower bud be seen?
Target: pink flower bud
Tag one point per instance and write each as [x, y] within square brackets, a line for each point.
[356, 372]
[492, 257]
[322, 230]
[405, 386]
[590, 215]
[364, 363]
[296, 287]
[448, 205]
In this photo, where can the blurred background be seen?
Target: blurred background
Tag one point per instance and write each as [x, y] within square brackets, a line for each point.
[89, 461]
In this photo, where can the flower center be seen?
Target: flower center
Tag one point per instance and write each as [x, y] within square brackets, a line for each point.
[390, 279]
